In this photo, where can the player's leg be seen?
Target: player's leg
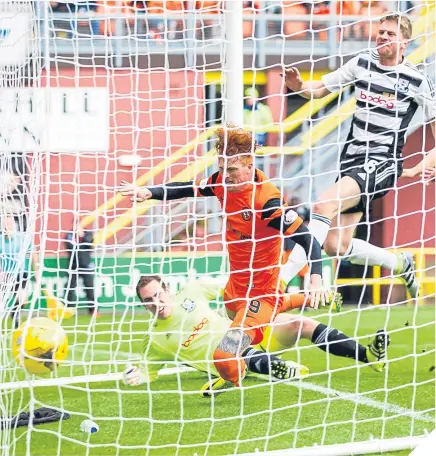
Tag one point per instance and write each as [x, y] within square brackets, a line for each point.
[235, 355]
[261, 362]
[357, 251]
[343, 195]
[225, 355]
[294, 301]
[288, 329]
[70, 294]
[341, 243]
[375, 180]
[231, 304]
[14, 312]
[88, 282]
[247, 328]
[20, 298]
[231, 313]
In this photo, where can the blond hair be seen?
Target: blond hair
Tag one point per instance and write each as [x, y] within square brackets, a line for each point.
[402, 20]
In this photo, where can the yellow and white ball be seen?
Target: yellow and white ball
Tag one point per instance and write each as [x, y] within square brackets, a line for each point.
[39, 344]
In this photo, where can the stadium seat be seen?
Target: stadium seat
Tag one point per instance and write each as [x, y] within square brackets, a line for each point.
[111, 9]
[160, 7]
[370, 9]
[156, 26]
[344, 9]
[249, 9]
[208, 6]
[294, 30]
[206, 28]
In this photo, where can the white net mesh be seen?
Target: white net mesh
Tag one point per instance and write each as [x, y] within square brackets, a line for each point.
[96, 92]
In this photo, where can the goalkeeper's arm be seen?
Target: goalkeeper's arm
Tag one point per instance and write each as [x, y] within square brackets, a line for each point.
[144, 373]
[135, 376]
[148, 370]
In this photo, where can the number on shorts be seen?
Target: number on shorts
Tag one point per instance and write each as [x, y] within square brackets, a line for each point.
[370, 166]
[254, 306]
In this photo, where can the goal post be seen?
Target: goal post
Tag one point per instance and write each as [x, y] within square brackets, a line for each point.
[96, 92]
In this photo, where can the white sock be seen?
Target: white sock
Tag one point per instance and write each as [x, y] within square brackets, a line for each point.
[297, 260]
[319, 227]
[362, 252]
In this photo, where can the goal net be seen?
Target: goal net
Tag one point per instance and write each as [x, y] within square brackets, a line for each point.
[96, 92]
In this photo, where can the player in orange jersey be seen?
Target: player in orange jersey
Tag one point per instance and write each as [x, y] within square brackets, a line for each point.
[256, 219]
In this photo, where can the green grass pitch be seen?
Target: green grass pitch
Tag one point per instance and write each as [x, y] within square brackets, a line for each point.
[170, 418]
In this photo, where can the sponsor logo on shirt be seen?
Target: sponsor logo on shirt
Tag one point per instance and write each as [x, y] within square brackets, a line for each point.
[377, 99]
[196, 330]
[403, 85]
[188, 305]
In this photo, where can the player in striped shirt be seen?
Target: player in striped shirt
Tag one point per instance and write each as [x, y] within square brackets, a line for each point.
[388, 90]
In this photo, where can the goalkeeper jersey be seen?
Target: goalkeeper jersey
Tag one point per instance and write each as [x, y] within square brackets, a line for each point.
[191, 333]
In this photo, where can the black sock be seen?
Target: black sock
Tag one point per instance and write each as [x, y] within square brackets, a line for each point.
[15, 316]
[258, 361]
[333, 341]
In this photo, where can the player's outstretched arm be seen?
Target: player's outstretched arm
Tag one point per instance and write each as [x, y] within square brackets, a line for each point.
[309, 89]
[144, 373]
[170, 191]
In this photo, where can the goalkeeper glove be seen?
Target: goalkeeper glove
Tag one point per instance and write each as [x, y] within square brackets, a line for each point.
[133, 376]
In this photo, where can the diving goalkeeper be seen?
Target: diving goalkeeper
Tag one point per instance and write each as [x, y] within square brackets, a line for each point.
[186, 330]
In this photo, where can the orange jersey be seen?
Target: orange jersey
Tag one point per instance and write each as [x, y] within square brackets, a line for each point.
[255, 248]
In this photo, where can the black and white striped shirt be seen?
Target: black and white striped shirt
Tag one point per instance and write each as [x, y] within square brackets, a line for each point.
[387, 99]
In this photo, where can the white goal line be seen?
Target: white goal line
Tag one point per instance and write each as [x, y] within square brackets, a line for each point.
[349, 449]
[363, 400]
[333, 394]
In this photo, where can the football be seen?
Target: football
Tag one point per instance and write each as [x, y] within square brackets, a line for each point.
[39, 344]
